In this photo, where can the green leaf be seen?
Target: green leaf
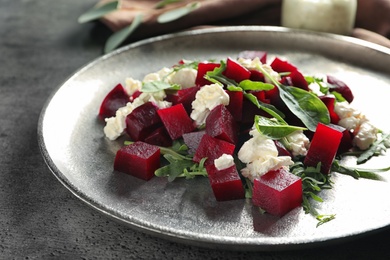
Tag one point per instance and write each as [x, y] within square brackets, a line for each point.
[98, 12]
[175, 14]
[155, 86]
[163, 3]
[255, 85]
[270, 109]
[304, 104]
[273, 128]
[120, 36]
[378, 146]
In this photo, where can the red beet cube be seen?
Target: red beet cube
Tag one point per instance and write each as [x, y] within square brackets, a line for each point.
[323, 147]
[226, 183]
[139, 159]
[220, 124]
[257, 76]
[296, 79]
[212, 148]
[142, 121]
[340, 87]
[176, 121]
[279, 65]
[250, 54]
[277, 192]
[159, 137]
[184, 96]
[329, 102]
[114, 100]
[192, 140]
[236, 99]
[203, 68]
[236, 71]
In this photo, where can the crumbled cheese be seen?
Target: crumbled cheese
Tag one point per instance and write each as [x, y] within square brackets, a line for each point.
[162, 75]
[298, 143]
[184, 77]
[353, 120]
[224, 161]
[132, 86]
[116, 125]
[255, 64]
[261, 156]
[207, 98]
[365, 136]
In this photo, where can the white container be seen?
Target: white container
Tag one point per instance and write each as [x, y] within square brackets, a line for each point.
[333, 16]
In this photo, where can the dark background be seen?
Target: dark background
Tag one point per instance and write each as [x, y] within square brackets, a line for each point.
[41, 44]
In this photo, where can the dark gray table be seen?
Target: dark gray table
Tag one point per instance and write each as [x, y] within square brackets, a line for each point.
[41, 44]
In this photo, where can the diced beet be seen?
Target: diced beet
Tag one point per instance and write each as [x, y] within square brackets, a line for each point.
[184, 96]
[277, 192]
[279, 65]
[192, 140]
[282, 151]
[257, 76]
[114, 100]
[212, 148]
[176, 121]
[346, 140]
[203, 68]
[340, 87]
[261, 96]
[329, 102]
[251, 54]
[136, 94]
[220, 124]
[236, 71]
[226, 183]
[236, 99]
[142, 121]
[139, 159]
[159, 137]
[296, 79]
[323, 147]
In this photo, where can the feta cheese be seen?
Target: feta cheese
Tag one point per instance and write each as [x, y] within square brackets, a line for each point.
[116, 125]
[255, 64]
[207, 98]
[365, 136]
[224, 161]
[261, 156]
[162, 75]
[353, 120]
[184, 77]
[297, 143]
[132, 86]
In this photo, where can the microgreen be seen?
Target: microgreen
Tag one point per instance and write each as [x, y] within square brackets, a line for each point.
[98, 12]
[177, 13]
[120, 36]
[304, 104]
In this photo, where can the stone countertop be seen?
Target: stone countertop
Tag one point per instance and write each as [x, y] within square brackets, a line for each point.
[41, 44]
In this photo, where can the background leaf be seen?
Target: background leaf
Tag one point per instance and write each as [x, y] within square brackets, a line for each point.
[120, 36]
[98, 12]
[175, 14]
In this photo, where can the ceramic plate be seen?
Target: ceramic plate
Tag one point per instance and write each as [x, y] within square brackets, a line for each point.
[73, 144]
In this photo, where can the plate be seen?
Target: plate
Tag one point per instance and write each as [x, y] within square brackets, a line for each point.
[74, 147]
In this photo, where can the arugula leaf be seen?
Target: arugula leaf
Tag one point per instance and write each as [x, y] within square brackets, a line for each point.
[274, 129]
[98, 12]
[155, 86]
[175, 14]
[304, 104]
[120, 36]
[357, 173]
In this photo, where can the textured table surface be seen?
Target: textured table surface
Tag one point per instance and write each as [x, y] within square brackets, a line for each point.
[41, 44]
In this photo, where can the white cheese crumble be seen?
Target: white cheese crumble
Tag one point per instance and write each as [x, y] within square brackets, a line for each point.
[298, 143]
[162, 75]
[185, 78]
[224, 161]
[207, 98]
[261, 156]
[132, 86]
[353, 120]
